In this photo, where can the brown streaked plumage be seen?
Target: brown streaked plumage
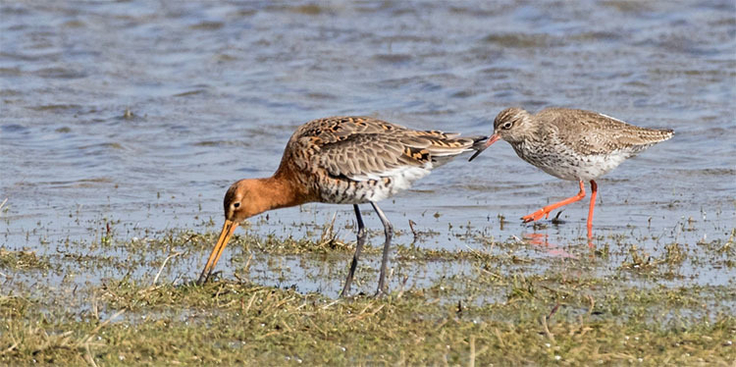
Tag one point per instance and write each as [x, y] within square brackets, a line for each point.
[571, 144]
[342, 160]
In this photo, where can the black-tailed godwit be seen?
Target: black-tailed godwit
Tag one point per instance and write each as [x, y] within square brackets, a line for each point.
[342, 160]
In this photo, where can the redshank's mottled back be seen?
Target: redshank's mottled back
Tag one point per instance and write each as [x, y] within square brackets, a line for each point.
[342, 160]
[573, 145]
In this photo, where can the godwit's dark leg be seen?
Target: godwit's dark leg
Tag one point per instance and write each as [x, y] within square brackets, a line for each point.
[358, 248]
[544, 212]
[594, 191]
[389, 231]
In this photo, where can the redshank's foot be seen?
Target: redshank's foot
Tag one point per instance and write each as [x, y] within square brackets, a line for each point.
[536, 216]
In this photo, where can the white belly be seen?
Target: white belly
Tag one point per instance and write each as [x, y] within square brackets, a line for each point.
[374, 187]
[568, 165]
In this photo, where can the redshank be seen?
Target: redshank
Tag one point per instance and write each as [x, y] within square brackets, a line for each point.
[342, 160]
[570, 144]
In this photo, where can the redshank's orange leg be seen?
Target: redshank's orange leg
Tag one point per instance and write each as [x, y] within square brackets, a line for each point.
[594, 189]
[544, 212]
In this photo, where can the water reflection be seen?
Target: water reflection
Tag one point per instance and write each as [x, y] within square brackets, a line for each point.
[542, 240]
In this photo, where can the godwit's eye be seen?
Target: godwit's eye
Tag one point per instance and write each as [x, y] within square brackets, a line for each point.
[506, 125]
[236, 205]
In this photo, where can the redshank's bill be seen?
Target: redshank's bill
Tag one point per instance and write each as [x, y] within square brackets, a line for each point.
[342, 160]
[570, 144]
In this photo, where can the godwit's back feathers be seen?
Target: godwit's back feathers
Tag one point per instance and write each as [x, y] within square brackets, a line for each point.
[358, 159]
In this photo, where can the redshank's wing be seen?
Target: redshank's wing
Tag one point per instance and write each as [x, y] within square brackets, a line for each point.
[592, 133]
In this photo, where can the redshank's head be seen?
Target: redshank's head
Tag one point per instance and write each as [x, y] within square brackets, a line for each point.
[511, 125]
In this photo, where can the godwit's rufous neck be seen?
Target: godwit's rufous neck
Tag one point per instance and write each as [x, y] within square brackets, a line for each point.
[250, 197]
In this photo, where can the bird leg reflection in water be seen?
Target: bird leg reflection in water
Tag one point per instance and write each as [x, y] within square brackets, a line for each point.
[542, 240]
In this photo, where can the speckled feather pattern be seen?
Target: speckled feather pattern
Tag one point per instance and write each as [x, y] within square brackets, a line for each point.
[353, 160]
[574, 144]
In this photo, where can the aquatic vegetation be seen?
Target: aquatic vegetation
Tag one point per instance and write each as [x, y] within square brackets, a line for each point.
[500, 307]
[22, 260]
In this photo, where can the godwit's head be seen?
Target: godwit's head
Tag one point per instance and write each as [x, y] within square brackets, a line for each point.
[242, 200]
[239, 202]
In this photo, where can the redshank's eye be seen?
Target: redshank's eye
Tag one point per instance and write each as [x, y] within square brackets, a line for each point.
[236, 205]
[506, 125]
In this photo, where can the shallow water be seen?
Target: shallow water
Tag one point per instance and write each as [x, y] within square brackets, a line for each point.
[144, 115]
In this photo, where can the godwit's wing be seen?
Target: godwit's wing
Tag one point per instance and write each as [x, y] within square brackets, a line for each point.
[359, 159]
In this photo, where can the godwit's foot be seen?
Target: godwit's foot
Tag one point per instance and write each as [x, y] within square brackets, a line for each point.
[380, 294]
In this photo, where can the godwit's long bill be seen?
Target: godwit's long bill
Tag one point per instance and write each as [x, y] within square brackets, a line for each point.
[342, 160]
[573, 145]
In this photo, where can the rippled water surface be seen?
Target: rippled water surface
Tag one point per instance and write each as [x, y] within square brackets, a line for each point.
[144, 114]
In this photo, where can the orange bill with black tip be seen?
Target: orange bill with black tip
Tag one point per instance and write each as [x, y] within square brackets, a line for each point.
[227, 231]
[494, 138]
